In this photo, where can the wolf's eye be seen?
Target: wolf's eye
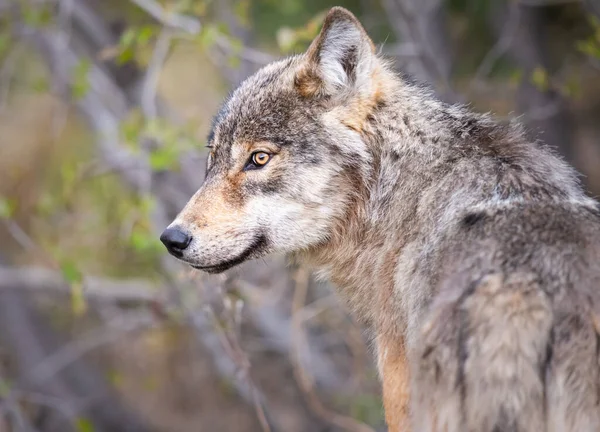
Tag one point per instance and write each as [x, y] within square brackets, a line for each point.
[258, 160]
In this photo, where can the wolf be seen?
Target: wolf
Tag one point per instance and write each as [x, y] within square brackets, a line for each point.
[469, 251]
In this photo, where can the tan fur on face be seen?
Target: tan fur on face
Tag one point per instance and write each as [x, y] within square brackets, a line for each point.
[218, 205]
[222, 201]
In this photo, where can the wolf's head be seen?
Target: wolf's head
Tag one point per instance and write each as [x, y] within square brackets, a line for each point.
[288, 154]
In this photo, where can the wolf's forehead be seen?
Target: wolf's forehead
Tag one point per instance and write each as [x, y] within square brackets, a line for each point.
[261, 108]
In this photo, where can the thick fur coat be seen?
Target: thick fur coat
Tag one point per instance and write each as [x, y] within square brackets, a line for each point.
[470, 251]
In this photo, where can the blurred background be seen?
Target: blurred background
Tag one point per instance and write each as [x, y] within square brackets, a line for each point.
[104, 109]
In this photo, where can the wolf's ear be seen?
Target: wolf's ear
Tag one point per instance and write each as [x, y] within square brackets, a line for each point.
[341, 57]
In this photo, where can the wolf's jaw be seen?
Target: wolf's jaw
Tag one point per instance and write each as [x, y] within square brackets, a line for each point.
[256, 248]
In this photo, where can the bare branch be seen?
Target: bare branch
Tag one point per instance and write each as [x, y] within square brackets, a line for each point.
[503, 44]
[421, 24]
[192, 26]
[177, 21]
[37, 279]
[229, 337]
[543, 3]
[159, 56]
[51, 365]
[305, 381]
[245, 53]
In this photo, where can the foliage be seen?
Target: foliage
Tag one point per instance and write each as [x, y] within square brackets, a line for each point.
[7, 208]
[591, 45]
[84, 425]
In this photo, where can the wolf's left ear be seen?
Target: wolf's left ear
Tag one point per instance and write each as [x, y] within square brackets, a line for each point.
[342, 57]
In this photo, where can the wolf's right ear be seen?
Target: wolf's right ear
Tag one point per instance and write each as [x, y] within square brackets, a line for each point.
[341, 58]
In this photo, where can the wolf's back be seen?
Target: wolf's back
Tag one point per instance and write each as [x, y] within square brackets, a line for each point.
[512, 343]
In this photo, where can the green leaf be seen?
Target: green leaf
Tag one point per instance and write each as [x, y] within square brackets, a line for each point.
[234, 62]
[144, 241]
[591, 46]
[540, 79]
[115, 377]
[84, 425]
[5, 388]
[78, 302]
[46, 205]
[516, 76]
[242, 11]
[209, 35]
[131, 128]
[71, 273]
[5, 42]
[125, 56]
[127, 38]
[81, 83]
[164, 158]
[145, 34]
[154, 128]
[147, 205]
[36, 15]
[5, 210]
[41, 85]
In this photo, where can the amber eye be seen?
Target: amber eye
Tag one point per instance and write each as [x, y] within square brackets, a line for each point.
[260, 158]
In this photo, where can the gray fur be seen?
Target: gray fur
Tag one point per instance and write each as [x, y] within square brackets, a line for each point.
[442, 228]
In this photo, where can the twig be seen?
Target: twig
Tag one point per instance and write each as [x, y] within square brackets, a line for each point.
[159, 56]
[543, 3]
[49, 281]
[13, 413]
[245, 53]
[231, 344]
[192, 26]
[44, 400]
[65, 12]
[407, 18]
[502, 45]
[57, 361]
[177, 21]
[27, 243]
[304, 380]
[6, 75]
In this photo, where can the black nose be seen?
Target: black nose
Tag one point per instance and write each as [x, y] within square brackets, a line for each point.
[175, 240]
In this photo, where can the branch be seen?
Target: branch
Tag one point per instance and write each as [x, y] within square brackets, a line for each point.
[502, 46]
[422, 25]
[37, 279]
[192, 26]
[305, 381]
[543, 3]
[54, 363]
[184, 23]
[159, 56]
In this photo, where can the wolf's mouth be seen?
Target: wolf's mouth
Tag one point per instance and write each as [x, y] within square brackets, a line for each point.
[255, 248]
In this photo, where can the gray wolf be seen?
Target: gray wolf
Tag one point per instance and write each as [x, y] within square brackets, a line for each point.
[469, 251]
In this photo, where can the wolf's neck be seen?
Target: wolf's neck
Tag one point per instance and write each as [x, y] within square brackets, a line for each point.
[405, 137]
